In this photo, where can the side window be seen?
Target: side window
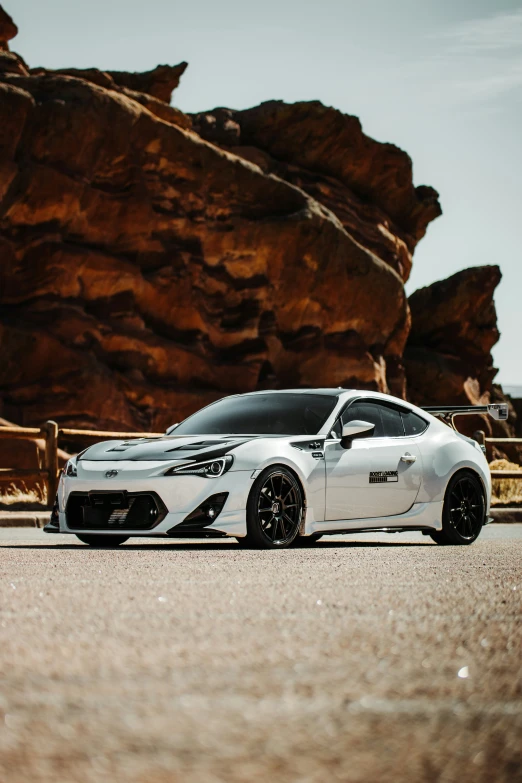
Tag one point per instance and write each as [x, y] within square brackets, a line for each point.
[366, 411]
[392, 422]
[413, 424]
[388, 421]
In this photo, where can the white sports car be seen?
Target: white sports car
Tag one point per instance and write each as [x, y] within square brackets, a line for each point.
[273, 468]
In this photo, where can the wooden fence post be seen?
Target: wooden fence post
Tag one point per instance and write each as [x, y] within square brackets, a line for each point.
[50, 429]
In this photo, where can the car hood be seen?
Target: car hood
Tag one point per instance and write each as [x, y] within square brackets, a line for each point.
[173, 447]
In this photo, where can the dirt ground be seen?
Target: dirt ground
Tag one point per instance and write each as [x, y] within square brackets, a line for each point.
[368, 658]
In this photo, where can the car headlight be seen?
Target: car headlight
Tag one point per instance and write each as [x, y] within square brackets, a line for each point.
[214, 468]
[69, 469]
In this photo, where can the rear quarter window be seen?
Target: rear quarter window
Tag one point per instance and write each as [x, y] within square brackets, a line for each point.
[413, 424]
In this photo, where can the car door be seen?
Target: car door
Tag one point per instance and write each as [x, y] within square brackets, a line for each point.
[379, 475]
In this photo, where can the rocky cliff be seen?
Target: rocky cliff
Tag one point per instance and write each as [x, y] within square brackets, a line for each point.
[454, 327]
[448, 357]
[153, 261]
[149, 265]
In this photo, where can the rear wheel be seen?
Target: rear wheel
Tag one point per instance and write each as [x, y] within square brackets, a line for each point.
[274, 510]
[93, 540]
[464, 511]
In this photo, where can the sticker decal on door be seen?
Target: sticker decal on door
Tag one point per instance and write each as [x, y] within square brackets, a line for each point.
[383, 476]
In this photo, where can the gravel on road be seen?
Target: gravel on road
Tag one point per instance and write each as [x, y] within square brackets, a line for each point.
[367, 658]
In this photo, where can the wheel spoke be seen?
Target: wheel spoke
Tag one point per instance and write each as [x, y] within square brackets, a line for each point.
[281, 488]
[272, 485]
[288, 518]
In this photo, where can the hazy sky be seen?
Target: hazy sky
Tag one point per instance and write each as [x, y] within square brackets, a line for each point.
[440, 78]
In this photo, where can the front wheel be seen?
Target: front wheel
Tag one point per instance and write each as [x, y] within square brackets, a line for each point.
[274, 509]
[464, 511]
[92, 540]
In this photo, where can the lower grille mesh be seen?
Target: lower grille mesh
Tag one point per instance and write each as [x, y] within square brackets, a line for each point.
[114, 510]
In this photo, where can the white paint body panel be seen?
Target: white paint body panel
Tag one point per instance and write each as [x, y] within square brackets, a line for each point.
[338, 493]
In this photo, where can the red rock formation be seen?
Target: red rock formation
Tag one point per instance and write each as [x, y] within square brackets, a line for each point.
[367, 184]
[8, 29]
[454, 327]
[448, 353]
[145, 271]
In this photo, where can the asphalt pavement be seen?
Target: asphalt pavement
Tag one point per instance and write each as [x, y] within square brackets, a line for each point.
[367, 658]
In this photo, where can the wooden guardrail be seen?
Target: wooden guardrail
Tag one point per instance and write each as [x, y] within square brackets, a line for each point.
[50, 433]
[480, 437]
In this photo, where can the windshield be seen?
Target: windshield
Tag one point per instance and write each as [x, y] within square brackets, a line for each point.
[261, 414]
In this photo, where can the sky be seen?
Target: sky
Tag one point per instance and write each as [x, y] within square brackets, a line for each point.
[440, 78]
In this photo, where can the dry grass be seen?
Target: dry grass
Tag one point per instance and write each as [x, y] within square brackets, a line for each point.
[506, 491]
[19, 495]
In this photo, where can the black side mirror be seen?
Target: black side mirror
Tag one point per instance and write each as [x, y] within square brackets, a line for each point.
[355, 429]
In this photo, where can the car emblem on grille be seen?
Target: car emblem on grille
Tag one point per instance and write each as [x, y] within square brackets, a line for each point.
[111, 473]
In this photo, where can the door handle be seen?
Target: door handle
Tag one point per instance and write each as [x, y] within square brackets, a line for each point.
[408, 458]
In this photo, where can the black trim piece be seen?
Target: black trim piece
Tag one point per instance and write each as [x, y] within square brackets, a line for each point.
[49, 528]
[175, 533]
[212, 454]
[309, 445]
[401, 529]
[167, 454]
[198, 519]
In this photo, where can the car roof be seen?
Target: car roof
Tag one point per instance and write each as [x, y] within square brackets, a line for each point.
[344, 396]
[330, 392]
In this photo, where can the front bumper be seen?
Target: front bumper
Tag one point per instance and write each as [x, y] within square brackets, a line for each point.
[179, 495]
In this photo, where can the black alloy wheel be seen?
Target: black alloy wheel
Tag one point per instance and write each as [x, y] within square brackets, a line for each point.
[464, 510]
[93, 540]
[274, 509]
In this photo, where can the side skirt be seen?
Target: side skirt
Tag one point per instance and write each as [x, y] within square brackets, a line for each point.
[424, 530]
[421, 516]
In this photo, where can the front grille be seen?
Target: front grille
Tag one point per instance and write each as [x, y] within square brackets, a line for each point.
[108, 510]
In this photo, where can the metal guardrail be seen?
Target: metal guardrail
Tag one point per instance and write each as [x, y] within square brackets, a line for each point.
[50, 433]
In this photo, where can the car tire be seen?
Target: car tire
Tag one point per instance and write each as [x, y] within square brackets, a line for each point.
[304, 542]
[274, 509]
[102, 541]
[464, 511]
